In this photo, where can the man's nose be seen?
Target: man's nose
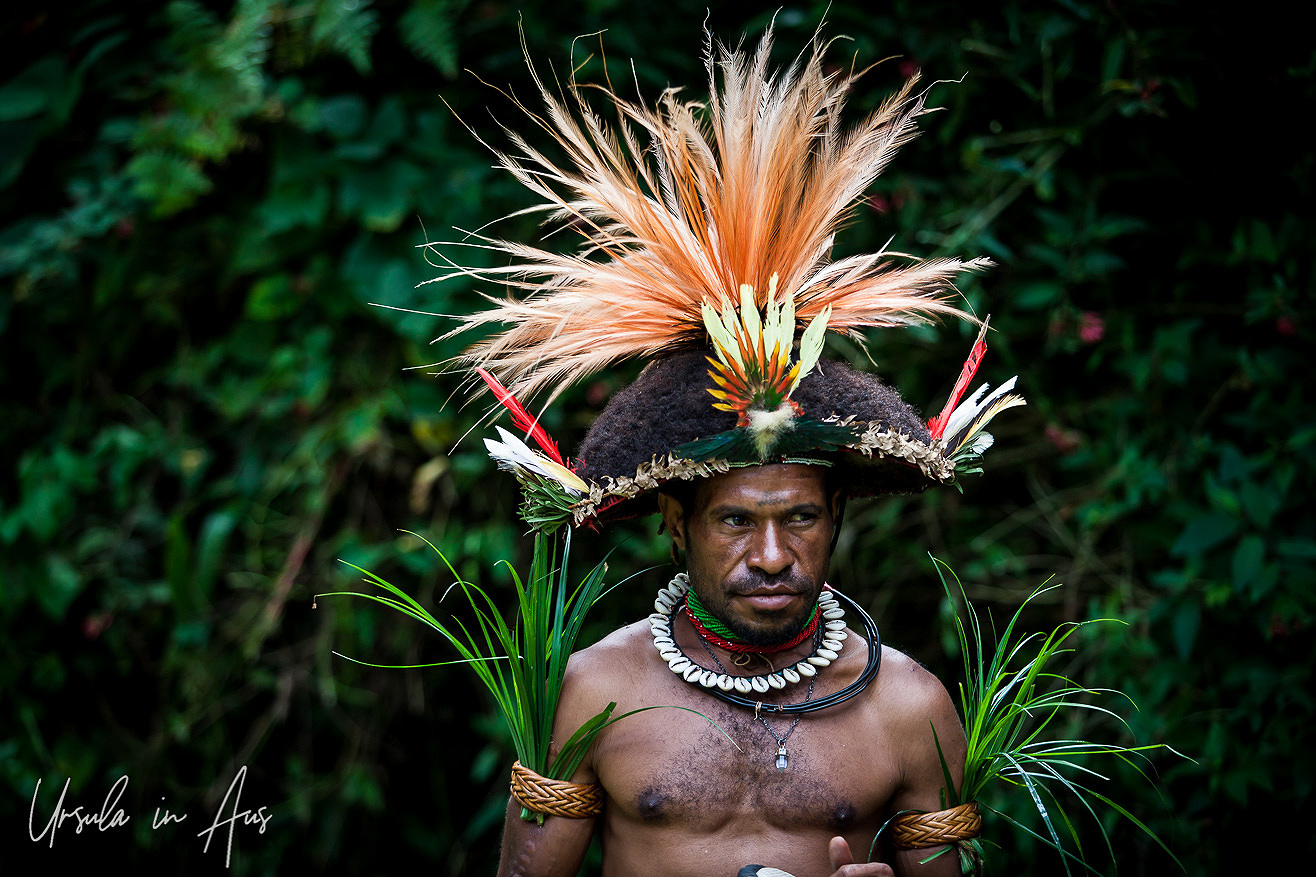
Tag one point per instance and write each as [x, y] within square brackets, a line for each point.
[769, 554]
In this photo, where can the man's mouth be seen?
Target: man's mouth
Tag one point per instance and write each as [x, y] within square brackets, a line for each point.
[770, 599]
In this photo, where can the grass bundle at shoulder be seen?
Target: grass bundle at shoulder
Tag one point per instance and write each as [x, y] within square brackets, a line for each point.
[1012, 699]
[522, 664]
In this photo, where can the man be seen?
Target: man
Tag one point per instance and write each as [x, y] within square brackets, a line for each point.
[773, 733]
[682, 799]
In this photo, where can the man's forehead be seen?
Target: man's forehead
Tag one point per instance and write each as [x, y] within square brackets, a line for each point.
[774, 484]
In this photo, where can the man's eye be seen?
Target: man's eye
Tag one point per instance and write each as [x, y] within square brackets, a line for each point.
[735, 520]
[802, 518]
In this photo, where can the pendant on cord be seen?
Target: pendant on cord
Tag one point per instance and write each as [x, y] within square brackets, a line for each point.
[782, 758]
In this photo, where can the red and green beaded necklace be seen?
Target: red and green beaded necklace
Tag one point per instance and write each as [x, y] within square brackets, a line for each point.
[717, 633]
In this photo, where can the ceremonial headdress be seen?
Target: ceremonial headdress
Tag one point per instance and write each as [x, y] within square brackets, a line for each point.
[708, 231]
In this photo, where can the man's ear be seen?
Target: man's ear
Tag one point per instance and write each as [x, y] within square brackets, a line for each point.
[673, 518]
[837, 502]
[838, 517]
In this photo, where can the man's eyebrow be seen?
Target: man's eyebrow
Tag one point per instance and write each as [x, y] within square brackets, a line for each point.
[806, 507]
[724, 509]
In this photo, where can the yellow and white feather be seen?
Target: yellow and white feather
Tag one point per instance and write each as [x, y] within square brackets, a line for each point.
[520, 459]
[966, 438]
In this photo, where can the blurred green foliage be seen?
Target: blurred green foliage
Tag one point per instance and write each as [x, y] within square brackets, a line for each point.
[201, 201]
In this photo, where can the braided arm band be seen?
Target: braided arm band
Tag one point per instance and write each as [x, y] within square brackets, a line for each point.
[555, 797]
[914, 831]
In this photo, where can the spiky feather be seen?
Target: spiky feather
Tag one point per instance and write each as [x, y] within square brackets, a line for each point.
[683, 204]
[965, 435]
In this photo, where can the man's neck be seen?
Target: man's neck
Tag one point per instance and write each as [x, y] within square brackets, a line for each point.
[737, 663]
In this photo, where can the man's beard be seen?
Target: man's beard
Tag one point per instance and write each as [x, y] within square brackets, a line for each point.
[759, 634]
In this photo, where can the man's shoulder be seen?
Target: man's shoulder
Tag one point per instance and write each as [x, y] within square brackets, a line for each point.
[624, 644]
[920, 717]
[908, 690]
[614, 660]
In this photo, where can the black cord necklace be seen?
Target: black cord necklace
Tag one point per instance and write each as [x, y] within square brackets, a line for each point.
[783, 755]
[808, 706]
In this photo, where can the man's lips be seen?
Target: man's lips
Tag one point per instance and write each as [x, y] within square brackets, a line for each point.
[769, 599]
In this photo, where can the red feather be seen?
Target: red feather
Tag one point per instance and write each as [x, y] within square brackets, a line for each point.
[937, 425]
[522, 419]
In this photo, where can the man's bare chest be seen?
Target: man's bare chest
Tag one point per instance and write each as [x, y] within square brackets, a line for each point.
[669, 766]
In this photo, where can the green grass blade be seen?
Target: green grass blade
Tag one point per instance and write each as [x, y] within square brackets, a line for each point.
[409, 666]
[1012, 700]
[523, 663]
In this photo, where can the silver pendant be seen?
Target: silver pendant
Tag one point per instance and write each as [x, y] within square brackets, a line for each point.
[782, 758]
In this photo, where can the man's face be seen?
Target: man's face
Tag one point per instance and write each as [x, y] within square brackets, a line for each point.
[757, 541]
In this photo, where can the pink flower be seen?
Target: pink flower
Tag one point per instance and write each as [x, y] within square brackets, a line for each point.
[597, 394]
[1285, 326]
[1280, 630]
[1091, 328]
[93, 625]
[1066, 441]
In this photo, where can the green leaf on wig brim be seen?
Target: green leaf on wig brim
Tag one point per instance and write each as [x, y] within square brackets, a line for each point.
[802, 437]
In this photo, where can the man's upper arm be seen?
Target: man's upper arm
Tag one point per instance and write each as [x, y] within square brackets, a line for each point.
[928, 706]
[556, 848]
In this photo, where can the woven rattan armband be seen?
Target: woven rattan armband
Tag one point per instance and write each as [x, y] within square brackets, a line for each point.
[914, 831]
[555, 797]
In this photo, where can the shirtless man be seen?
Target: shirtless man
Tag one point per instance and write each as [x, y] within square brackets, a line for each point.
[682, 799]
[708, 233]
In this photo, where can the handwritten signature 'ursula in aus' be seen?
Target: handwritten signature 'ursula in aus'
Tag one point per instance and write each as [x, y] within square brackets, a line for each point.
[231, 815]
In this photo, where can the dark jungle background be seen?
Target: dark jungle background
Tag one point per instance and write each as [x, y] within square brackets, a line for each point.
[203, 413]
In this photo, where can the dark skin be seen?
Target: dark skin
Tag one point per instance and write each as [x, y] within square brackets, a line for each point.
[682, 799]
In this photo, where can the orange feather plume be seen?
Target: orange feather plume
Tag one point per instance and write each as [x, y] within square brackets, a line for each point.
[682, 204]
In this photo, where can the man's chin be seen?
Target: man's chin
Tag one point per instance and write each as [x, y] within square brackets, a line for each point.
[767, 635]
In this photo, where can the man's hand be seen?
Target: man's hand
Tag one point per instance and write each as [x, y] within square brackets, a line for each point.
[842, 860]
[844, 865]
